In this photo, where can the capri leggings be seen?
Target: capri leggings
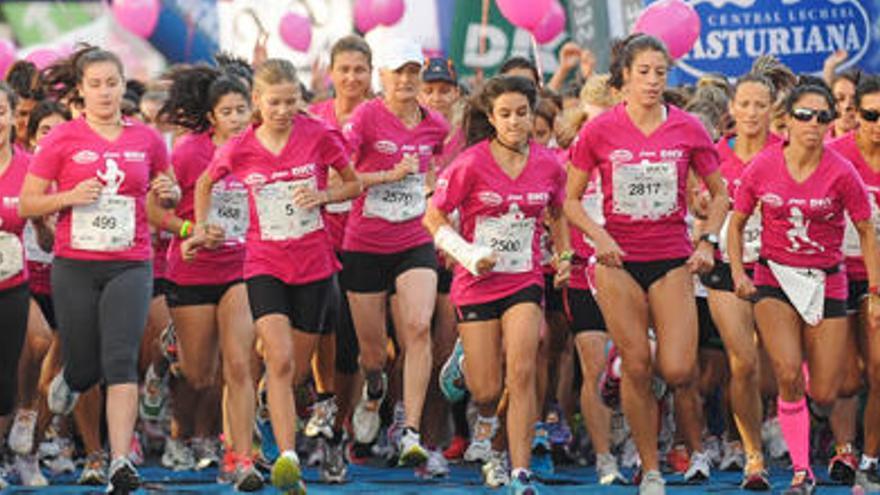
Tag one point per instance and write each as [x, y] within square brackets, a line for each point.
[14, 305]
[101, 307]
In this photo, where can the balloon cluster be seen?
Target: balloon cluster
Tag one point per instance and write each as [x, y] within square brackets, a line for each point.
[296, 29]
[545, 19]
[673, 22]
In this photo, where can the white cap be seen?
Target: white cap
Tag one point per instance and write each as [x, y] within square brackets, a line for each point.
[396, 53]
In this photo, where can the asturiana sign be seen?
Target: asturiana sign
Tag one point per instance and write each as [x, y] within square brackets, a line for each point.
[801, 33]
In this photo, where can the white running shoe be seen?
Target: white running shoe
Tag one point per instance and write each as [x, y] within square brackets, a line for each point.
[365, 419]
[699, 469]
[412, 453]
[21, 435]
[607, 471]
[178, 456]
[29, 471]
[322, 419]
[484, 432]
[652, 484]
[496, 470]
[713, 447]
[436, 467]
[61, 399]
[734, 458]
[771, 437]
[629, 457]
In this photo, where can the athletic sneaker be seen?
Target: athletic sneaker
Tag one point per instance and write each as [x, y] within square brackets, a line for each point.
[733, 458]
[135, 452]
[523, 484]
[609, 381]
[3, 483]
[334, 468]
[868, 480]
[365, 420]
[629, 456]
[397, 426]
[153, 396]
[843, 466]
[263, 426]
[712, 446]
[61, 399]
[457, 448]
[607, 471]
[436, 467]
[484, 431]
[699, 469]
[60, 464]
[412, 453]
[802, 483]
[451, 377]
[678, 459]
[206, 452]
[771, 437]
[168, 346]
[124, 477]
[558, 431]
[287, 474]
[652, 483]
[21, 435]
[29, 470]
[756, 481]
[94, 471]
[247, 477]
[322, 419]
[496, 469]
[177, 456]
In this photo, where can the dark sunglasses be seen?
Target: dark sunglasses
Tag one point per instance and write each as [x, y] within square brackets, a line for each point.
[807, 114]
[869, 115]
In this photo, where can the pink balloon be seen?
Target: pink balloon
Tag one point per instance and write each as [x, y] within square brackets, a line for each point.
[364, 19]
[43, 57]
[552, 25]
[296, 31]
[674, 22]
[526, 14]
[138, 16]
[388, 12]
[7, 56]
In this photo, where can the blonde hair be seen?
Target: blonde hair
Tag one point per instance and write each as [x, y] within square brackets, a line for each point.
[275, 71]
[597, 92]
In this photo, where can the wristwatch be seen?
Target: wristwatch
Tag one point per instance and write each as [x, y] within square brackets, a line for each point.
[711, 239]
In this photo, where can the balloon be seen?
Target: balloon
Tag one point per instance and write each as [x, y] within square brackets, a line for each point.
[552, 25]
[526, 14]
[674, 22]
[7, 56]
[364, 19]
[138, 16]
[387, 12]
[296, 31]
[43, 57]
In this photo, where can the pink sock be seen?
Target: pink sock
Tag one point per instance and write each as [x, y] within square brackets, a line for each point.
[794, 421]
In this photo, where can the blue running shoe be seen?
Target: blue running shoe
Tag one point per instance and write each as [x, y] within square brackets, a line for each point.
[452, 375]
[523, 484]
[268, 446]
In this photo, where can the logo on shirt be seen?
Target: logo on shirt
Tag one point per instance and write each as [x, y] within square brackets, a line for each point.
[386, 147]
[255, 179]
[134, 156]
[112, 176]
[85, 156]
[307, 169]
[10, 202]
[620, 156]
[426, 149]
[772, 200]
[490, 198]
[799, 234]
[540, 198]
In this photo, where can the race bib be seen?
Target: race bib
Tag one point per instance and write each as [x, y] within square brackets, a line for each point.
[105, 225]
[510, 237]
[397, 201]
[229, 210]
[646, 190]
[32, 248]
[280, 218]
[751, 238]
[592, 204]
[804, 287]
[11, 258]
[852, 245]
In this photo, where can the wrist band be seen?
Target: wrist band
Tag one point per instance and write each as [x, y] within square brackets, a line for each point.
[185, 229]
[567, 255]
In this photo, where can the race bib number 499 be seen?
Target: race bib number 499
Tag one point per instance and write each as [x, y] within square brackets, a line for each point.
[105, 225]
[645, 190]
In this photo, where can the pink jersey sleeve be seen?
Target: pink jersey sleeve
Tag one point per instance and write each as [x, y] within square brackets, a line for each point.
[704, 155]
[452, 187]
[47, 161]
[221, 165]
[353, 129]
[854, 194]
[582, 155]
[334, 151]
[746, 194]
[558, 194]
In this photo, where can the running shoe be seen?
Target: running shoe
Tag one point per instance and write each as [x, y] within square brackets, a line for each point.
[802, 483]
[334, 467]
[247, 476]
[178, 456]
[397, 426]
[523, 484]
[607, 471]
[542, 460]
[153, 396]
[263, 423]
[609, 380]
[124, 477]
[322, 419]
[484, 431]
[451, 377]
[94, 471]
[21, 435]
[558, 431]
[496, 470]
[457, 448]
[755, 476]
[135, 451]
[713, 447]
[652, 483]
[699, 469]
[168, 345]
[629, 456]
[868, 480]
[3, 483]
[228, 467]
[771, 437]
[843, 466]
[61, 398]
[678, 459]
[365, 420]
[412, 453]
[733, 457]
[287, 474]
[436, 467]
[206, 452]
[28, 469]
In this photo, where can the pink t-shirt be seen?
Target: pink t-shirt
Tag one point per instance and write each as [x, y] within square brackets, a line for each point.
[732, 167]
[454, 145]
[191, 156]
[387, 218]
[116, 229]
[284, 241]
[644, 178]
[847, 147]
[13, 268]
[580, 243]
[802, 223]
[503, 213]
[335, 215]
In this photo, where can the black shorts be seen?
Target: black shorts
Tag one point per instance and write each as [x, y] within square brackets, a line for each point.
[720, 278]
[444, 280]
[493, 310]
[44, 301]
[834, 308]
[858, 290]
[583, 311]
[196, 295]
[160, 287]
[646, 273]
[305, 305]
[371, 272]
[709, 336]
[553, 298]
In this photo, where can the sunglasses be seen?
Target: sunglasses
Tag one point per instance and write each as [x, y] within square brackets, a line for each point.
[807, 114]
[869, 115]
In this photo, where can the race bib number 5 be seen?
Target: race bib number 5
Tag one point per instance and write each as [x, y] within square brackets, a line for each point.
[397, 201]
[11, 258]
[510, 236]
[105, 225]
[280, 218]
[645, 190]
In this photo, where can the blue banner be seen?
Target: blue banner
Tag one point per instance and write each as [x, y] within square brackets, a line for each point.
[187, 31]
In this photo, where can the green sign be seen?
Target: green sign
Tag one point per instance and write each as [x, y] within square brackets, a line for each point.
[42, 22]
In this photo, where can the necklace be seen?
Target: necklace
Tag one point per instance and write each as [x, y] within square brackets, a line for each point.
[519, 150]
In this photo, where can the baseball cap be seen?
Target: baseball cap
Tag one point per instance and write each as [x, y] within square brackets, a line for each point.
[440, 69]
[398, 52]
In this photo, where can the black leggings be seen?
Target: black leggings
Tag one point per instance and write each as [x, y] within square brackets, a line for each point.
[14, 305]
[101, 308]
